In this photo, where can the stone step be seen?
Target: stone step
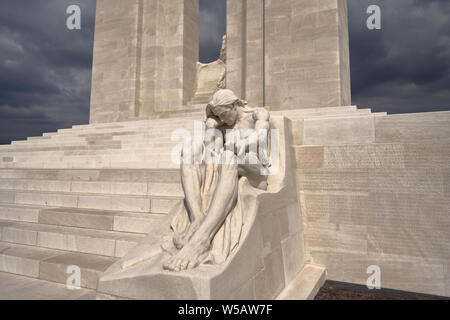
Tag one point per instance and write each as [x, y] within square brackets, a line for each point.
[316, 110]
[98, 242]
[329, 114]
[22, 213]
[143, 123]
[63, 146]
[90, 134]
[144, 145]
[111, 155]
[70, 139]
[75, 143]
[306, 284]
[345, 116]
[101, 159]
[132, 126]
[107, 134]
[125, 175]
[52, 265]
[128, 203]
[97, 161]
[162, 164]
[157, 161]
[131, 222]
[50, 145]
[94, 187]
[140, 144]
[139, 223]
[16, 287]
[106, 156]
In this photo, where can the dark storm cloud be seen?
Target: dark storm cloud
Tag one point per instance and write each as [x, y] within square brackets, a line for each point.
[212, 28]
[405, 66]
[45, 69]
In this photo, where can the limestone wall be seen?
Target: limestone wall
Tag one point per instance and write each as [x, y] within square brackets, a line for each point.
[375, 191]
[115, 64]
[177, 54]
[145, 58]
[235, 46]
[289, 54]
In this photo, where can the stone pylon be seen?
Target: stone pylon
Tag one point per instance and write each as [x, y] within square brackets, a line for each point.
[145, 58]
[289, 54]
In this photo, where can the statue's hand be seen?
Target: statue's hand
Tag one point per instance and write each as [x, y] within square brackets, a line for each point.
[264, 157]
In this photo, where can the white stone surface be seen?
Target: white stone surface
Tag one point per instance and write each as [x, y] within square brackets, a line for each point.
[22, 288]
[373, 192]
[306, 285]
[289, 55]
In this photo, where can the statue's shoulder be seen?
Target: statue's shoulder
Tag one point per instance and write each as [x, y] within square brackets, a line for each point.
[261, 114]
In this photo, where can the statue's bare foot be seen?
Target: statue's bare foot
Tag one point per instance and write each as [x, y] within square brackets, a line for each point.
[181, 239]
[189, 257]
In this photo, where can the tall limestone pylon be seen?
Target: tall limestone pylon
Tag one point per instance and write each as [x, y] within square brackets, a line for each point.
[145, 58]
[290, 54]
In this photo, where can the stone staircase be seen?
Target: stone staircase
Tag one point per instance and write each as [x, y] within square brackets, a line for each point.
[53, 218]
[84, 196]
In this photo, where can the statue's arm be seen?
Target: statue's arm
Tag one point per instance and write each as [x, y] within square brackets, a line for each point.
[213, 140]
[262, 119]
[262, 126]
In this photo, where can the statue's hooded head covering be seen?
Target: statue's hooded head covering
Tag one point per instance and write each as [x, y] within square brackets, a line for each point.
[223, 100]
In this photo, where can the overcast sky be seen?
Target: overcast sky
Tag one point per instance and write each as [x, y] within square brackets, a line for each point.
[45, 69]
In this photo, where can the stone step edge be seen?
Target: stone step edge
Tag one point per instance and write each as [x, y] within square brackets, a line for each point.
[11, 252]
[81, 211]
[150, 197]
[306, 284]
[96, 242]
[176, 192]
[143, 204]
[88, 232]
[26, 288]
[156, 170]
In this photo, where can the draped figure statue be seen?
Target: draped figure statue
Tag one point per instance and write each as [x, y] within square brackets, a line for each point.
[208, 224]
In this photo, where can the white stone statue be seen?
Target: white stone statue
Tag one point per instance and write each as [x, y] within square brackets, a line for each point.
[207, 227]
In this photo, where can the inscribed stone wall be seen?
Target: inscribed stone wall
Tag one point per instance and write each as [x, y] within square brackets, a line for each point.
[375, 191]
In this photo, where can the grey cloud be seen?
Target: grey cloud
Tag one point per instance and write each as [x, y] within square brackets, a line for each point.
[212, 22]
[45, 69]
[405, 66]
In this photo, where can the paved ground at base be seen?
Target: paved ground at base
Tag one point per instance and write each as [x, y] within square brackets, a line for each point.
[341, 294]
[343, 291]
